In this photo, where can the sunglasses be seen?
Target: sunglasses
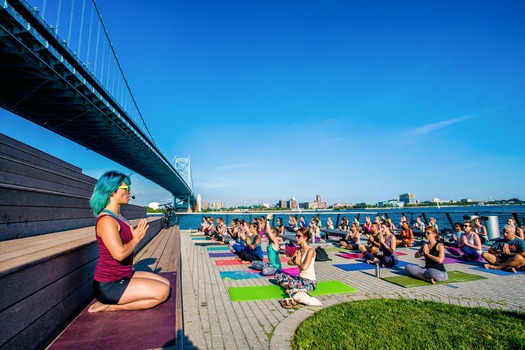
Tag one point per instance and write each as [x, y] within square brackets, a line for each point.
[125, 187]
[298, 236]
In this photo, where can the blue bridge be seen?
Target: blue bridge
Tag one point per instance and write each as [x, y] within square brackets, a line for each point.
[62, 72]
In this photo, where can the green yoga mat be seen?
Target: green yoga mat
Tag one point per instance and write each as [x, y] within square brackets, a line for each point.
[277, 292]
[453, 276]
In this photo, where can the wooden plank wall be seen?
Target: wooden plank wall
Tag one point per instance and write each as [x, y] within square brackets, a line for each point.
[40, 193]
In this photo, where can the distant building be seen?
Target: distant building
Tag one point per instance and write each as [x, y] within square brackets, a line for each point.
[319, 204]
[391, 203]
[343, 205]
[154, 205]
[283, 203]
[292, 204]
[466, 200]
[217, 205]
[407, 198]
[205, 205]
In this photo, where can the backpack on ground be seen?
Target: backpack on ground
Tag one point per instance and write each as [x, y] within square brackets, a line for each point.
[321, 255]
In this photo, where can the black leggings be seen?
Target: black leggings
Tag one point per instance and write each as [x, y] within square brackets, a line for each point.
[247, 256]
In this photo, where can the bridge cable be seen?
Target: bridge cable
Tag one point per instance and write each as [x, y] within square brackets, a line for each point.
[122, 71]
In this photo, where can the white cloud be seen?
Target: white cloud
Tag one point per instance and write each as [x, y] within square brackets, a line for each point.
[427, 129]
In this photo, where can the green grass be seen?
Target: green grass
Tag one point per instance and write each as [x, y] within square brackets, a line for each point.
[410, 324]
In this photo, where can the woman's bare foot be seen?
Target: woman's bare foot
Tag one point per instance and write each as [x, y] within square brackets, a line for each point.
[432, 281]
[513, 269]
[487, 266]
[99, 307]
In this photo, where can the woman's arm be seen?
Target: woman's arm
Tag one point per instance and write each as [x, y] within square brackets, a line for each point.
[269, 232]
[108, 229]
[392, 248]
[310, 254]
[255, 243]
[441, 253]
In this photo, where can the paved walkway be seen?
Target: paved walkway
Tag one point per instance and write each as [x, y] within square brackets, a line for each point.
[213, 321]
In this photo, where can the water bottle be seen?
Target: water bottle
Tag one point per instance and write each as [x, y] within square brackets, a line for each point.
[378, 272]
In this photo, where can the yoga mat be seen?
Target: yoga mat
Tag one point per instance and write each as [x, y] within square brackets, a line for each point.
[198, 238]
[239, 275]
[360, 255]
[221, 255]
[499, 272]
[206, 243]
[292, 271]
[141, 329]
[334, 249]
[230, 262]
[350, 255]
[453, 276]
[277, 292]
[360, 266]
[224, 247]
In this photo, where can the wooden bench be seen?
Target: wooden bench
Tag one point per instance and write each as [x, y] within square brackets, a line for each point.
[46, 280]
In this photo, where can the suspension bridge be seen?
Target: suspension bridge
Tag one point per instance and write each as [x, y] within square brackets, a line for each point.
[59, 69]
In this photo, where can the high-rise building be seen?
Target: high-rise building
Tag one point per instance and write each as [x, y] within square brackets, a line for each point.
[407, 198]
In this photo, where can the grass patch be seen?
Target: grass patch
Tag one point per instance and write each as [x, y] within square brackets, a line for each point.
[410, 324]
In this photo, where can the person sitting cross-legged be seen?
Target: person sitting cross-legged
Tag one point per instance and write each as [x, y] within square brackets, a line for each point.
[469, 247]
[434, 254]
[387, 240]
[507, 252]
[352, 239]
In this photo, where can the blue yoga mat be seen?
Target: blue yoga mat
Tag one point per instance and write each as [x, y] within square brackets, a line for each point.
[239, 275]
[499, 272]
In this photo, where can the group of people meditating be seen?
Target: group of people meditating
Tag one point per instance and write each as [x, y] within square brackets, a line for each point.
[117, 287]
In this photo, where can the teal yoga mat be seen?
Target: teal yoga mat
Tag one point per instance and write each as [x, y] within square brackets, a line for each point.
[239, 275]
[225, 248]
[277, 292]
[453, 276]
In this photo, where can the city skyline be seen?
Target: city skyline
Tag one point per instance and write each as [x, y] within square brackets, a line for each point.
[360, 101]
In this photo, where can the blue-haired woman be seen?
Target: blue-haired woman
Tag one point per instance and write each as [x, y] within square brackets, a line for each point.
[115, 285]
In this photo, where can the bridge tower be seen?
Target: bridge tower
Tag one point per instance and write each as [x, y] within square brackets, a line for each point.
[183, 167]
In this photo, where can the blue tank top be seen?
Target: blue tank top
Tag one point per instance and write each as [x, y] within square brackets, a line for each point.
[258, 249]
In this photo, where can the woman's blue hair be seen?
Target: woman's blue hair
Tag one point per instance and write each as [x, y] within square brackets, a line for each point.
[105, 186]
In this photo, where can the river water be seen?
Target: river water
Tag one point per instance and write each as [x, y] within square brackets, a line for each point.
[457, 214]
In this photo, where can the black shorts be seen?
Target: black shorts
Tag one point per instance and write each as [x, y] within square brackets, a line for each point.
[110, 292]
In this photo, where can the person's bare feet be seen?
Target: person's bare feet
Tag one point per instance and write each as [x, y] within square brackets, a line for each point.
[513, 269]
[99, 307]
[487, 266]
[432, 281]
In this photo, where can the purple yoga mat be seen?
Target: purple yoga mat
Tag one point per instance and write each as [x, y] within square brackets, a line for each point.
[143, 329]
[221, 255]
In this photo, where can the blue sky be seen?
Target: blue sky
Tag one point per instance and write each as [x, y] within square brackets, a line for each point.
[358, 101]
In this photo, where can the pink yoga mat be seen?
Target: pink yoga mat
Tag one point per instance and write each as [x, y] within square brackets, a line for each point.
[142, 329]
[292, 271]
